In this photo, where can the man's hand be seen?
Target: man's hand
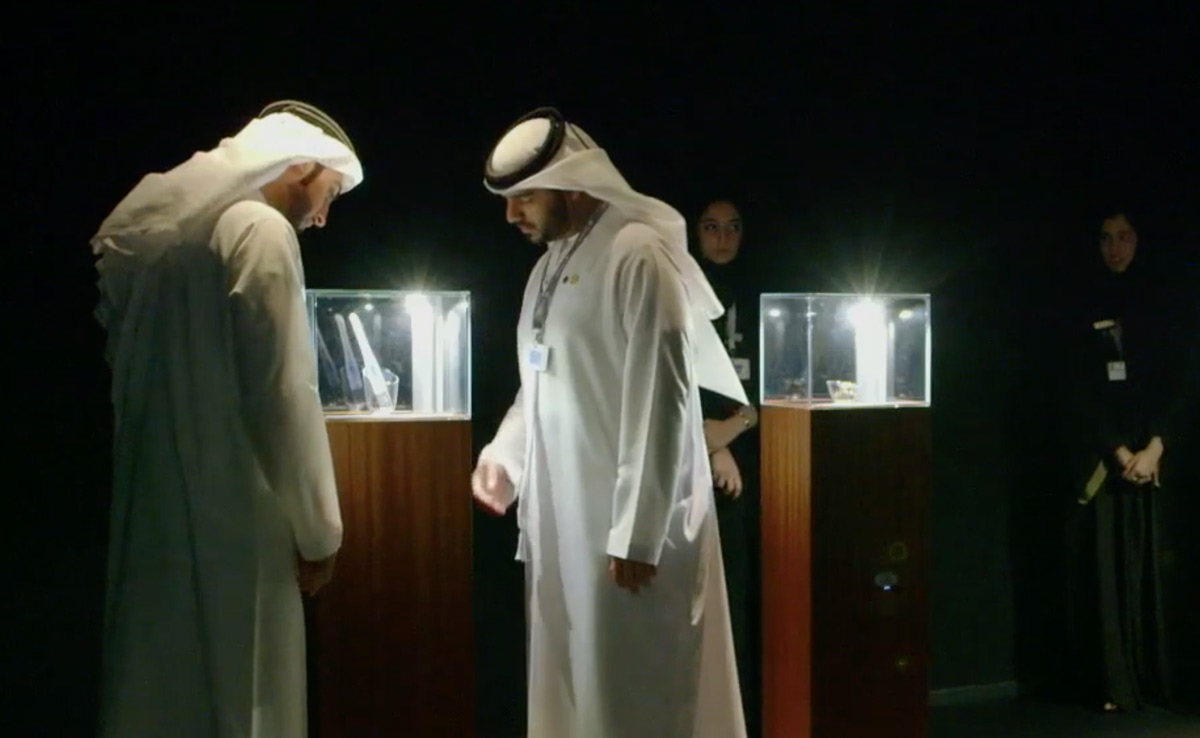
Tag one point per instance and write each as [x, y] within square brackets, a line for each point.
[313, 575]
[631, 575]
[492, 487]
[726, 475]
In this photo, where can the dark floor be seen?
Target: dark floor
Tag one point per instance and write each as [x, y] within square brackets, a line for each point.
[1028, 718]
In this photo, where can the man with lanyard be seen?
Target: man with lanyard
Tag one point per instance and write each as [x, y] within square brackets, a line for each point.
[604, 452]
[224, 501]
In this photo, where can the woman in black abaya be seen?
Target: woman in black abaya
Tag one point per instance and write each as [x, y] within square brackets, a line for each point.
[732, 439]
[1131, 395]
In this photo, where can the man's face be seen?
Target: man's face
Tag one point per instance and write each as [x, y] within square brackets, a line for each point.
[310, 196]
[720, 233]
[542, 215]
[1118, 243]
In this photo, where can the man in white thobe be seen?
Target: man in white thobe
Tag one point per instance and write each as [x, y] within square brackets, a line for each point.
[224, 501]
[604, 452]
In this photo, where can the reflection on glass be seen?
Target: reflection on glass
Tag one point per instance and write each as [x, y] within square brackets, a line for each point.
[845, 349]
[392, 353]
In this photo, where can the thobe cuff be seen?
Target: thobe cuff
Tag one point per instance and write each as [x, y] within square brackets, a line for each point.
[619, 546]
[319, 550]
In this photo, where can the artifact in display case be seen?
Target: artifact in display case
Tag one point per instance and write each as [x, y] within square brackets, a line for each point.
[845, 514]
[394, 353]
[845, 350]
[390, 638]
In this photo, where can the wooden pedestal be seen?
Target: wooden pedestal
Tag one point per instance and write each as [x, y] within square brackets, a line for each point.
[845, 508]
[390, 647]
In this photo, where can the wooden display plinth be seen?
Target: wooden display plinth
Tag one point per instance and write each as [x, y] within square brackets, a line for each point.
[845, 571]
[390, 647]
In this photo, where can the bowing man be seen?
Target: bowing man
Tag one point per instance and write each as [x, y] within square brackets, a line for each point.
[224, 505]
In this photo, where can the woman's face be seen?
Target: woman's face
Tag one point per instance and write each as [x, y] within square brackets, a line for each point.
[720, 232]
[1118, 243]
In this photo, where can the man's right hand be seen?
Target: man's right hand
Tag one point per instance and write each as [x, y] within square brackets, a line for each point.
[313, 575]
[492, 487]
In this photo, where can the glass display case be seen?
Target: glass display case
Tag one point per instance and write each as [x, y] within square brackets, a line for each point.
[845, 350]
[392, 354]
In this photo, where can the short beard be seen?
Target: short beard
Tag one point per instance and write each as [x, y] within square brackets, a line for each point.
[301, 200]
[558, 220]
[298, 208]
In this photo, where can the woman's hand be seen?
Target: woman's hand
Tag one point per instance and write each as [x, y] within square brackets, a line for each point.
[1124, 456]
[720, 433]
[1142, 467]
[726, 475]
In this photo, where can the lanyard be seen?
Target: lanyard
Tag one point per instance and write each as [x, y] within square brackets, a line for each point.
[546, 289]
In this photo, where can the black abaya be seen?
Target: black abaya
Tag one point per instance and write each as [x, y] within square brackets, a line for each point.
[1119, 546]
[738, 519]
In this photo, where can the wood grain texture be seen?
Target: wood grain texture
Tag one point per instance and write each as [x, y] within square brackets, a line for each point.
[786, 469]
[390, 644]
[845, 498]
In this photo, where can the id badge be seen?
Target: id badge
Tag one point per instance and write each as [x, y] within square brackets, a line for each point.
[743, 369]
[1116, 371]
[538, 357]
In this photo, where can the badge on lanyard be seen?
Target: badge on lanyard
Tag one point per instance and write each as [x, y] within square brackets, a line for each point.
[538, 357]
[1116, 371]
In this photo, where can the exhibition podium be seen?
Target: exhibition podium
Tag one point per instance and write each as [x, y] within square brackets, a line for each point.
[390, 645]
[845, 569]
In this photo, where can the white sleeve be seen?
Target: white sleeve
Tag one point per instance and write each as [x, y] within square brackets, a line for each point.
[278, 380]
[654, 403]
[508, 445]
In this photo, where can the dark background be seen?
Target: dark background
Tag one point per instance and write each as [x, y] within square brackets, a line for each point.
[951, 150]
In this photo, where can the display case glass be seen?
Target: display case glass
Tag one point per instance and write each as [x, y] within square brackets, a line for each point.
[392, 354]
[845, 350]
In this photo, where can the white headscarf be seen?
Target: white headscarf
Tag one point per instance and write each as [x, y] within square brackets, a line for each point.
[184, 204]
[580, 165]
